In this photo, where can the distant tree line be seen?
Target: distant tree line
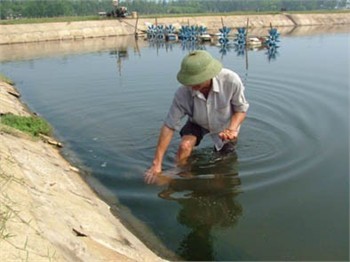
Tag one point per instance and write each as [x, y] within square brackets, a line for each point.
[55, 8]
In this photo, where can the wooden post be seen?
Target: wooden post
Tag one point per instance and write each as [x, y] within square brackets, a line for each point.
[137, 20]
[246, 58]
[246, 36]
[137, 48]
[246, 45]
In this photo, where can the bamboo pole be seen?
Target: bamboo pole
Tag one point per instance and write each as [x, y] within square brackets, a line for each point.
[246, 36]
[246, 45]
[137, 20]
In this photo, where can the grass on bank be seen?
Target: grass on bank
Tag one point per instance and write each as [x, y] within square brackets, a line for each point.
[7, 211]
[68, 19]
[32, 125]
[5, 216]
[6, 79]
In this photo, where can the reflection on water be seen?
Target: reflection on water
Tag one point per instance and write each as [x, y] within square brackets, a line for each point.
[37, 50]
[277, 190]
[271, 52]
[201, 214]
[205, 191]
[170, 45]
[121, 54]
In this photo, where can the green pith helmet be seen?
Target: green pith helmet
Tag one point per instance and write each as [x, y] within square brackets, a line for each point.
[198, 67]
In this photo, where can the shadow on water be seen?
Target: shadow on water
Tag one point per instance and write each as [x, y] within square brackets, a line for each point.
[205, 190]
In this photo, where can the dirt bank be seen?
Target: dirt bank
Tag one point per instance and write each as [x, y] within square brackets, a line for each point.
[24, 33]
[47, 212]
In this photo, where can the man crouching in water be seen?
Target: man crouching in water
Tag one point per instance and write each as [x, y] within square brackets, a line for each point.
[213, 99]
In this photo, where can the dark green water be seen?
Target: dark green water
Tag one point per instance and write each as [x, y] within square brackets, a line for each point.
[285, 196]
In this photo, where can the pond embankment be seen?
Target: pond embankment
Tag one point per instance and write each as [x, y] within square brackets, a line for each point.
[47, 211]
[24, 33]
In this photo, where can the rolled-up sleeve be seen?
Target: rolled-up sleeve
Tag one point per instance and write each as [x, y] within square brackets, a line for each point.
[180, 107]
[238, 100]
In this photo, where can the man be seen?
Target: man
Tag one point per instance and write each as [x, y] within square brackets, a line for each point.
[213, 99]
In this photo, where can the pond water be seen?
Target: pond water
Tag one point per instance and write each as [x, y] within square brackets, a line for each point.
[284, 196]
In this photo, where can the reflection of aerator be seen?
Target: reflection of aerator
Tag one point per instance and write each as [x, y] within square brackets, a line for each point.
[240, 41]
[271, 43]
[191, 38]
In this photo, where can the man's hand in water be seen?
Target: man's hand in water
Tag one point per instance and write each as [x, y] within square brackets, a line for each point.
[152, 177]
[152, 173]
[228, 134]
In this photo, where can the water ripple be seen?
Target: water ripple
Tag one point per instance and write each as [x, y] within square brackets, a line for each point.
[285, 130]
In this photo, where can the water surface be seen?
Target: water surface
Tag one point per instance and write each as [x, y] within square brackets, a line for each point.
[283, 196]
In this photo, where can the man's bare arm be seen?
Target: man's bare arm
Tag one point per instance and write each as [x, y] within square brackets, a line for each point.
[165, 136]
[233, 129]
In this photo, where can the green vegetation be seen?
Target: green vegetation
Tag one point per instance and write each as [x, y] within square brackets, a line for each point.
[5, 214]
[32, 125]
[66, 19]
[15, 9]
[238, 13]
[6, 79]
[11, 214]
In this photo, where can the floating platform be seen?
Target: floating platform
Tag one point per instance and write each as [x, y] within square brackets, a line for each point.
[204, 37]
[170, 37]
